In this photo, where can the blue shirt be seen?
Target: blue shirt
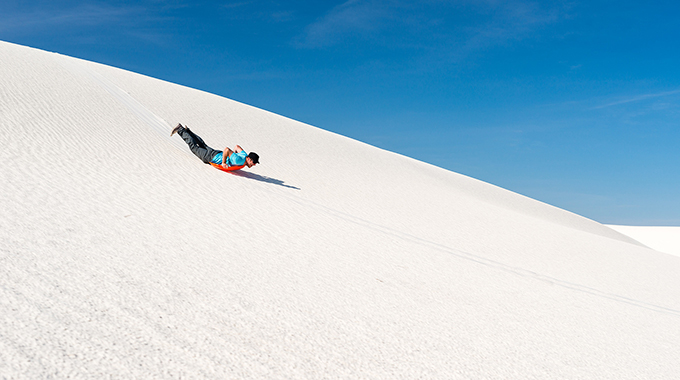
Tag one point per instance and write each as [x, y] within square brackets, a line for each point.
[236, 159]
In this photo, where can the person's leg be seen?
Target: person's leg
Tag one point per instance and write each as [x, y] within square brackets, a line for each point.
[198, 140]
[197, 145]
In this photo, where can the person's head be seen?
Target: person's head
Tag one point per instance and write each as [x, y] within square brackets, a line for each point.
[252, 159]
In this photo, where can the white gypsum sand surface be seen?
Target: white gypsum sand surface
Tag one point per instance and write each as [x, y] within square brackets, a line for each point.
[124, 256]
[661, 238]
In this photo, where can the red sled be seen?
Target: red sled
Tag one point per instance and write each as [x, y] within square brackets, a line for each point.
[229, 169]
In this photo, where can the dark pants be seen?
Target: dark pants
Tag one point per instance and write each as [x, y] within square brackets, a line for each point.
[197, 145]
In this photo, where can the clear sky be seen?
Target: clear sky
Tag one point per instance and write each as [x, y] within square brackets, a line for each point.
[574, 103]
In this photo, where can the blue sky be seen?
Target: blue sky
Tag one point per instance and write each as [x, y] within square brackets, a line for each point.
[574, 103]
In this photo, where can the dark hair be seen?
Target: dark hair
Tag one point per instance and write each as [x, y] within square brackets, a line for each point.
[253, 156]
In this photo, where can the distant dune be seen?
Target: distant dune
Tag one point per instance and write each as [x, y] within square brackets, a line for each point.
[663, 239]
[124, 256]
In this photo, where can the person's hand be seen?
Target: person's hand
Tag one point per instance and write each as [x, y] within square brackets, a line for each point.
[224, 165]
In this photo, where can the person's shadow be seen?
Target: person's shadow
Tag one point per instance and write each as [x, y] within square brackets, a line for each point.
[262, 178]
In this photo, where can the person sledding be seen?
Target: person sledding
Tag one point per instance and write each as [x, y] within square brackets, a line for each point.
[225, 160]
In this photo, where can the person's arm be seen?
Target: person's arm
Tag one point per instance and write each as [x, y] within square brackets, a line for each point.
[227, 152]
[238, 149]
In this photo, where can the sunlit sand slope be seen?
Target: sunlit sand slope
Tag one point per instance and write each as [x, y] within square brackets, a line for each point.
[123, 256]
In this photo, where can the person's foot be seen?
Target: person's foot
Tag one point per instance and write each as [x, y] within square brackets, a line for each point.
[176, 129]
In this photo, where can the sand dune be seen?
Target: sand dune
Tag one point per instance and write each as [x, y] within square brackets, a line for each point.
[661, 238]
[124, 256]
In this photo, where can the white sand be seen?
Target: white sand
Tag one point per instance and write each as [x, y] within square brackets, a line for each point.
[123, 256]
[663, 238]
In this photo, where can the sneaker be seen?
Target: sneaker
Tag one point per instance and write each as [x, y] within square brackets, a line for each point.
[176, 129]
